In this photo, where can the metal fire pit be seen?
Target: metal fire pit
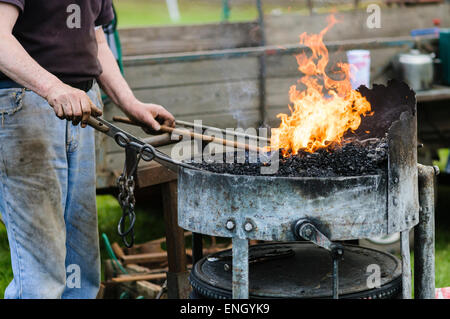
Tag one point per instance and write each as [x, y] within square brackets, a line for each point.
[322, 209]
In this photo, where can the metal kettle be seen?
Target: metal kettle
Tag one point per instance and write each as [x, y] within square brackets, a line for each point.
[416, 69]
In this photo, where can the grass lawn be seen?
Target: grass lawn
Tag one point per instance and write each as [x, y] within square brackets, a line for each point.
[137, 13]
[133, 13]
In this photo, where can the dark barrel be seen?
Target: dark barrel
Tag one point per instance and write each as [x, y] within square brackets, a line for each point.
[300, 270]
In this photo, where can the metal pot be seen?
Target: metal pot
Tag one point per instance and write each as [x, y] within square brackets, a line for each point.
[416, 69]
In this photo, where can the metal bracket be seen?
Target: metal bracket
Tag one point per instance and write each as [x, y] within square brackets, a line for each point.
[304, 229]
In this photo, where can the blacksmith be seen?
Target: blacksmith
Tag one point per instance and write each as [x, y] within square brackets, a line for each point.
[52, 54]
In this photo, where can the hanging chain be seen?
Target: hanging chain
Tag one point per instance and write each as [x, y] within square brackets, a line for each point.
[126, 184]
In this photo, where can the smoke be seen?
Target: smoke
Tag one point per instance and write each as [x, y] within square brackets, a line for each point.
[241, 95]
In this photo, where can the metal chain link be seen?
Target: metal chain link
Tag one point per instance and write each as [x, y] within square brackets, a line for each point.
[127, 201]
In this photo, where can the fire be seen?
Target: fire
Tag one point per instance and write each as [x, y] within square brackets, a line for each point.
[323, 112]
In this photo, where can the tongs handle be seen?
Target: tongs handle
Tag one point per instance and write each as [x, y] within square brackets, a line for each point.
[197, 136]
[96, 124]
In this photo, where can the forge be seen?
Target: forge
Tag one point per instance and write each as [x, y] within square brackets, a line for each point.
[345, 206]
[376, 196]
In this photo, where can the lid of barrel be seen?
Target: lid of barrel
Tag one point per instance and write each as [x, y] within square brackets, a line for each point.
[301, 270]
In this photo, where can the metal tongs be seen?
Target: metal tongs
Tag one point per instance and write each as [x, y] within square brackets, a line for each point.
[135, 150]
[126, 140]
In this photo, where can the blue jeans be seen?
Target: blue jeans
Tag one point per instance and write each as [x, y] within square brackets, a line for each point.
[47, 199]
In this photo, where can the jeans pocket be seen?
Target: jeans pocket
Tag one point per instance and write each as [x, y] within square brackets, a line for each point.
[11, 101]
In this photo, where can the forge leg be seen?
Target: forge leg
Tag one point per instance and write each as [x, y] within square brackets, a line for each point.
[406, 264]
[424, 268]
[240, 268]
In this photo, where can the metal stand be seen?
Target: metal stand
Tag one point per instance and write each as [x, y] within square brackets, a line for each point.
[406, 264]
[240, 268]
[305, 229]
[424, 268]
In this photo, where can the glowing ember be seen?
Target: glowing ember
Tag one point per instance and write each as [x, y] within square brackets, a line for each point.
[323, 112]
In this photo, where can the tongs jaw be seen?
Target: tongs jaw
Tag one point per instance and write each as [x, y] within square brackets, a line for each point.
[126, 140]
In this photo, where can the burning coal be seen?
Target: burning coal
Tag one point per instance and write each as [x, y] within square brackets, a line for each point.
[326, 109]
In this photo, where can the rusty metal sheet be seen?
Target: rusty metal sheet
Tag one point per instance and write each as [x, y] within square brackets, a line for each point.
[341, 208]
[395, 114]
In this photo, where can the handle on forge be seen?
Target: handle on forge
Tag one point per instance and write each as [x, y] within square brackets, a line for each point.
[304, 229]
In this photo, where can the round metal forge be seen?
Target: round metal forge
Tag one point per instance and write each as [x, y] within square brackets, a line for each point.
[299, 270]
[322, 209]
[342, 208]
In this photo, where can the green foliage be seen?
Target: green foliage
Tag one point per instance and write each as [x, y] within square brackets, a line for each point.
[443, 158]
[5, 261]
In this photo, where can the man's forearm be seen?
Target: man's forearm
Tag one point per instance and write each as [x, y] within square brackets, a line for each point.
[149, 115]
[19, 66]
[111, 79]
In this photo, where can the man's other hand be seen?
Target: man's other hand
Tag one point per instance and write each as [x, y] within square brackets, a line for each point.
[150, 115]
[71, 104]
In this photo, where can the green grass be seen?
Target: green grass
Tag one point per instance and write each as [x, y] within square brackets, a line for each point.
[134, 13]
[5, 261]
[138, 13]
[443, 158]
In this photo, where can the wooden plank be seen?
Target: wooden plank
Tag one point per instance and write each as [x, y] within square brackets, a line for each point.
[191, 100]
[152, 173]
[285, 66]
[189, 73]
[130, 278]
[394, 22]
[136, 41]
[144, 258]
[118, 250]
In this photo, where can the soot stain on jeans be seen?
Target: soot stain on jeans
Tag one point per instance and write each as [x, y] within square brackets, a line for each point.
[29, 157]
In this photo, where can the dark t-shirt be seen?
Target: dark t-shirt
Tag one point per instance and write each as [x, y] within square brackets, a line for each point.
[60, 35]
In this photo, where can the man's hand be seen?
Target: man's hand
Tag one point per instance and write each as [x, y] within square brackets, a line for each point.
[71, 104]
[150, 115]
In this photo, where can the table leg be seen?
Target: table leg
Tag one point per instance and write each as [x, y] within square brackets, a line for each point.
[177, 277]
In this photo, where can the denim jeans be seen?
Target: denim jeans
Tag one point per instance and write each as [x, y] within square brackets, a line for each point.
[47, 199]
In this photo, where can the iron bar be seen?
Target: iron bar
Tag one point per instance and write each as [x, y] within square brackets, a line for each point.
[240, 268]
[262, 66]
[406, 264]
[205, 138]
[424, 237]
[270, 50]
[335, 278]
[223, 131]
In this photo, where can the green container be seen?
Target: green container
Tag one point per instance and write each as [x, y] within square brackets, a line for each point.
[444, 53]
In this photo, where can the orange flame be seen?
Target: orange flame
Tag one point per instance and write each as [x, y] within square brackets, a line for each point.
[319, 119]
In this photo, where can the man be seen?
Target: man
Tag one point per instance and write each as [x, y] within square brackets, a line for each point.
[51, 53]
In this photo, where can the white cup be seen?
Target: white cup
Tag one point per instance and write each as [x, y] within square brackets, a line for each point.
[359, 61]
